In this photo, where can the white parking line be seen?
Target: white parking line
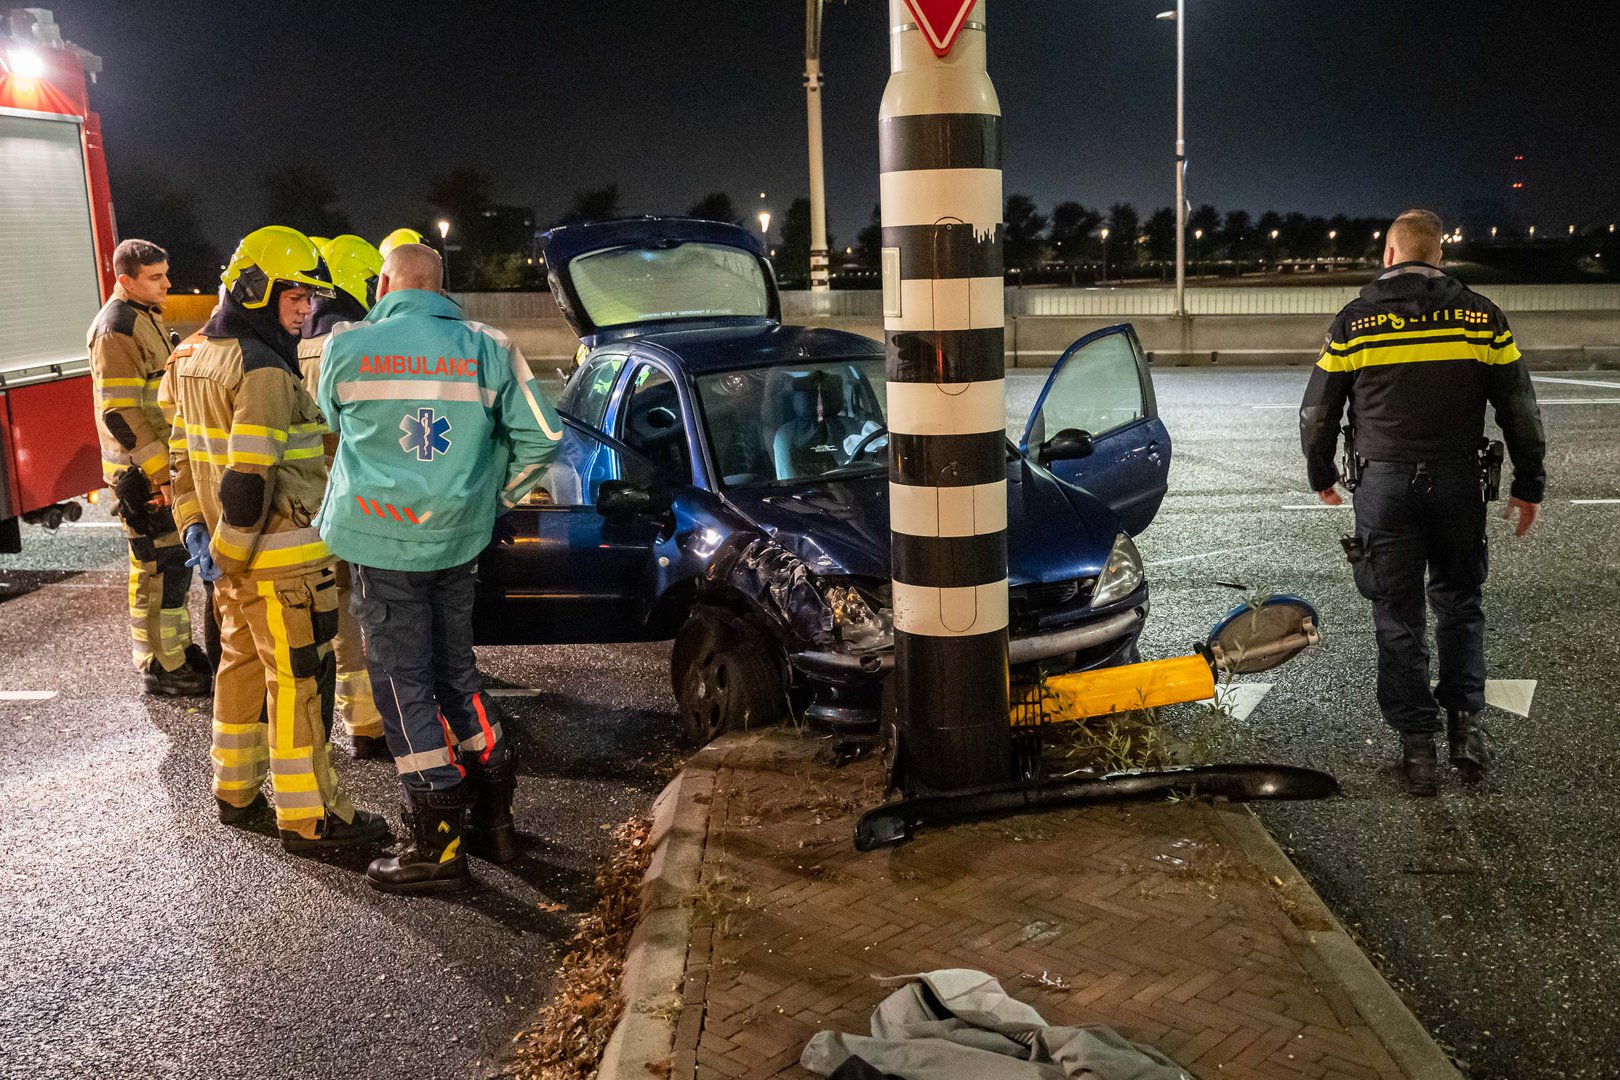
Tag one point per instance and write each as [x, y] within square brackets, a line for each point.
[27, 695]
[1202, 555]
[1576, 382]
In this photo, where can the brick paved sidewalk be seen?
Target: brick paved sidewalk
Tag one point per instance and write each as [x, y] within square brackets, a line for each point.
[1148, 918]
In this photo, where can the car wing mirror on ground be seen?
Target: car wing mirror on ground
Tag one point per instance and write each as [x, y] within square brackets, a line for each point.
[1261, 634]
[1066, 445]
[622, 498]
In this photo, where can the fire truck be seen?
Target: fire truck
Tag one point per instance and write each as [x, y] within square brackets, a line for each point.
[56, 245]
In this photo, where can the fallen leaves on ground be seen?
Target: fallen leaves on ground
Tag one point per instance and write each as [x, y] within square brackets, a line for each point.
[573, 1029]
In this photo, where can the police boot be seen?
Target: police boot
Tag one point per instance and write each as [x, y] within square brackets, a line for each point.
[371, 748]
[1469, 753]
[183, 681]
[433, 860]
[366, 829]
[491, 833]
[1418, 764]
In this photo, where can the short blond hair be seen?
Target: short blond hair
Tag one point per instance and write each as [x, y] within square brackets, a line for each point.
[1416, 236]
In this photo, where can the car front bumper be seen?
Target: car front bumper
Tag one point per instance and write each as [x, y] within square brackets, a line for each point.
[848, 670]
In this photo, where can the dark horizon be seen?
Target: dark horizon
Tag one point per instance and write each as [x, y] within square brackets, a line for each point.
[1335, 113]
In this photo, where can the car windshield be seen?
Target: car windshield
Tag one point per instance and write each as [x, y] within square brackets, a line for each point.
[625, 285]
[785, 425]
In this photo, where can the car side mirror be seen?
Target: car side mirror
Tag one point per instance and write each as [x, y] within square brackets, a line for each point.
[622, 498]
[1067, 445]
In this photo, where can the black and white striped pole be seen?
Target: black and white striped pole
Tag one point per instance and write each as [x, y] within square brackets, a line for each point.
[940, 148]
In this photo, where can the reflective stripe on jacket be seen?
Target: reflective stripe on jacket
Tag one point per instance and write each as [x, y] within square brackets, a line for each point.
[128, 346]
[247, 453]
[441, 427]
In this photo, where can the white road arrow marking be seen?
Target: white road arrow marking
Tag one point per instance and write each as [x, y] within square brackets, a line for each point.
[1240, 698]
[1511, 695]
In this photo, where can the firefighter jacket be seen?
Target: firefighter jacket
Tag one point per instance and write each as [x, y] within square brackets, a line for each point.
[1417, 357]
[441, 424]
[246, 447]
[128, 346]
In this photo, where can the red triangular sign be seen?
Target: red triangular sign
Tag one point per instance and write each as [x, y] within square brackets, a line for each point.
[941, 21]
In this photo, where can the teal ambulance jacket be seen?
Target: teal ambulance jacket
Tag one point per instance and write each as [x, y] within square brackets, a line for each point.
[441, 426]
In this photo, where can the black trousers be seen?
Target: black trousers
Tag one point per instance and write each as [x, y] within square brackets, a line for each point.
[1418, 522]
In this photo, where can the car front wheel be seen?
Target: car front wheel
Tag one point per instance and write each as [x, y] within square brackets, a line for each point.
[728, 675]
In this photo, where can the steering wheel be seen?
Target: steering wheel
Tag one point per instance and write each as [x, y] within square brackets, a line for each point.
[867, 440]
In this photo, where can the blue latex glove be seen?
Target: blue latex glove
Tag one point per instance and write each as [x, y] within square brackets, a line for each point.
[201, 558]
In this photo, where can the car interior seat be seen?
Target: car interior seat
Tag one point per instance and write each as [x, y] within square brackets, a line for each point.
[811, 440]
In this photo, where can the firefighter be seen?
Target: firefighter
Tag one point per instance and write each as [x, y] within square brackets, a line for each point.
[128, 346]
[396, 238]
[248, 474]
[354, 265]
[412, 514]
[1417, 358]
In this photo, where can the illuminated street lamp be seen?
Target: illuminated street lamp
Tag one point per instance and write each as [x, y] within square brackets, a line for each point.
[765, 225]
[444, 243]
[1104, 235]
[1198, 269]
[1493, 232]
[1532, 231]
[1333, 247]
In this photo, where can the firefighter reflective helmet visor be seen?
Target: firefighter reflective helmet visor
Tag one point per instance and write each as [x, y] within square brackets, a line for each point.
[398, 237]
[271, 254]
[355, 266]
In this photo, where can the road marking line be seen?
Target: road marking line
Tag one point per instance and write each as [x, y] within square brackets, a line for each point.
[1594, 502]
[513, 691]
[1273, 406]
[1511, 695]
[27, 695]
[1241, 698]
[1204, 555]
[1316, 506]
[1576, 382]
[92, 524]
[1579, 401]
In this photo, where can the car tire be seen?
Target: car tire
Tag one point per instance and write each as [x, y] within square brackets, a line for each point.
[728, 676]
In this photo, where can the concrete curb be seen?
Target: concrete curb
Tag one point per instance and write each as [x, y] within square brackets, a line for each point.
[655, 964]
[1407, 1040]
[642, 1044]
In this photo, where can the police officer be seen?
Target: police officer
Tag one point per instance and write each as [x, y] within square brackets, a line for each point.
[441, 425]
[1417, 358]
[128, 347]
[248, 474]
[354, 265]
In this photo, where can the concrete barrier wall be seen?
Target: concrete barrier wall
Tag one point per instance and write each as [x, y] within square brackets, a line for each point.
[1556, 325]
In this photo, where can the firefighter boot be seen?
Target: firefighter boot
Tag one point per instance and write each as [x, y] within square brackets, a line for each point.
[491, 833]
[1469, 753]
[231, 814]
[1418, 763]
[371, 748]
[183, 681]
[366, 829]
[433, 860]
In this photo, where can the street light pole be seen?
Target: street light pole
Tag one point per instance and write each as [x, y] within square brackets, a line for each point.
[444, 243]
[1105, 257]
[818, 180]
[1179, 17]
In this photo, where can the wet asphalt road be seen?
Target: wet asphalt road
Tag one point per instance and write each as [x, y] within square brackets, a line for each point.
[145, 939]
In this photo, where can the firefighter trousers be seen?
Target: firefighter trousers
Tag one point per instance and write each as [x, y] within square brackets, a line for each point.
[159, 579]
[273, 697]
[356, 709]
[419, 649]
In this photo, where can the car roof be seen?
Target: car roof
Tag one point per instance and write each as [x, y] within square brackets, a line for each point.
[732, 348]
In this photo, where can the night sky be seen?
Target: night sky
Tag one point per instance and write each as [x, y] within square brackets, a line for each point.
[1323, 107]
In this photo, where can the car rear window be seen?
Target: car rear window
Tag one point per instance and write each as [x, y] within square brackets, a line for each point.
[626, 285]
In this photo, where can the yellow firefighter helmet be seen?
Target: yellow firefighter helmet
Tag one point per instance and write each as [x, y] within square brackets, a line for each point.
[271, 254]
[398, 237]
[354, 265]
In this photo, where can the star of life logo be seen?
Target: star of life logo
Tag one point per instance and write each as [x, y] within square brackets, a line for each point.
[425, 434]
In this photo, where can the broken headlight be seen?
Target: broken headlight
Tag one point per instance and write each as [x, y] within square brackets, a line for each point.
[861, 619]
[1121, 574]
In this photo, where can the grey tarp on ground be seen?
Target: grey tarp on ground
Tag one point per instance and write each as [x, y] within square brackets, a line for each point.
[985, 1035]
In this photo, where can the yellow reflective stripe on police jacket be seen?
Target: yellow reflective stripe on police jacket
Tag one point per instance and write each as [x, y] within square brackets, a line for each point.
[1376, 350]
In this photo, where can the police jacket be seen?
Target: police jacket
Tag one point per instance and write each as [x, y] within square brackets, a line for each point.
[1417, 357]
[441, 425]
[128, 346]
[246, 448]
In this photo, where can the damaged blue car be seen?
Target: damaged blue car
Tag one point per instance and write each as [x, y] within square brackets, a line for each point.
[723, 481]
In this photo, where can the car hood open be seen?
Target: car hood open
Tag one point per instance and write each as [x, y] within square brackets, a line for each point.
[1055, 532]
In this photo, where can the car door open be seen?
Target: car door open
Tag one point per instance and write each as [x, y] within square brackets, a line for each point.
[1096, 425]
[560, 571]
